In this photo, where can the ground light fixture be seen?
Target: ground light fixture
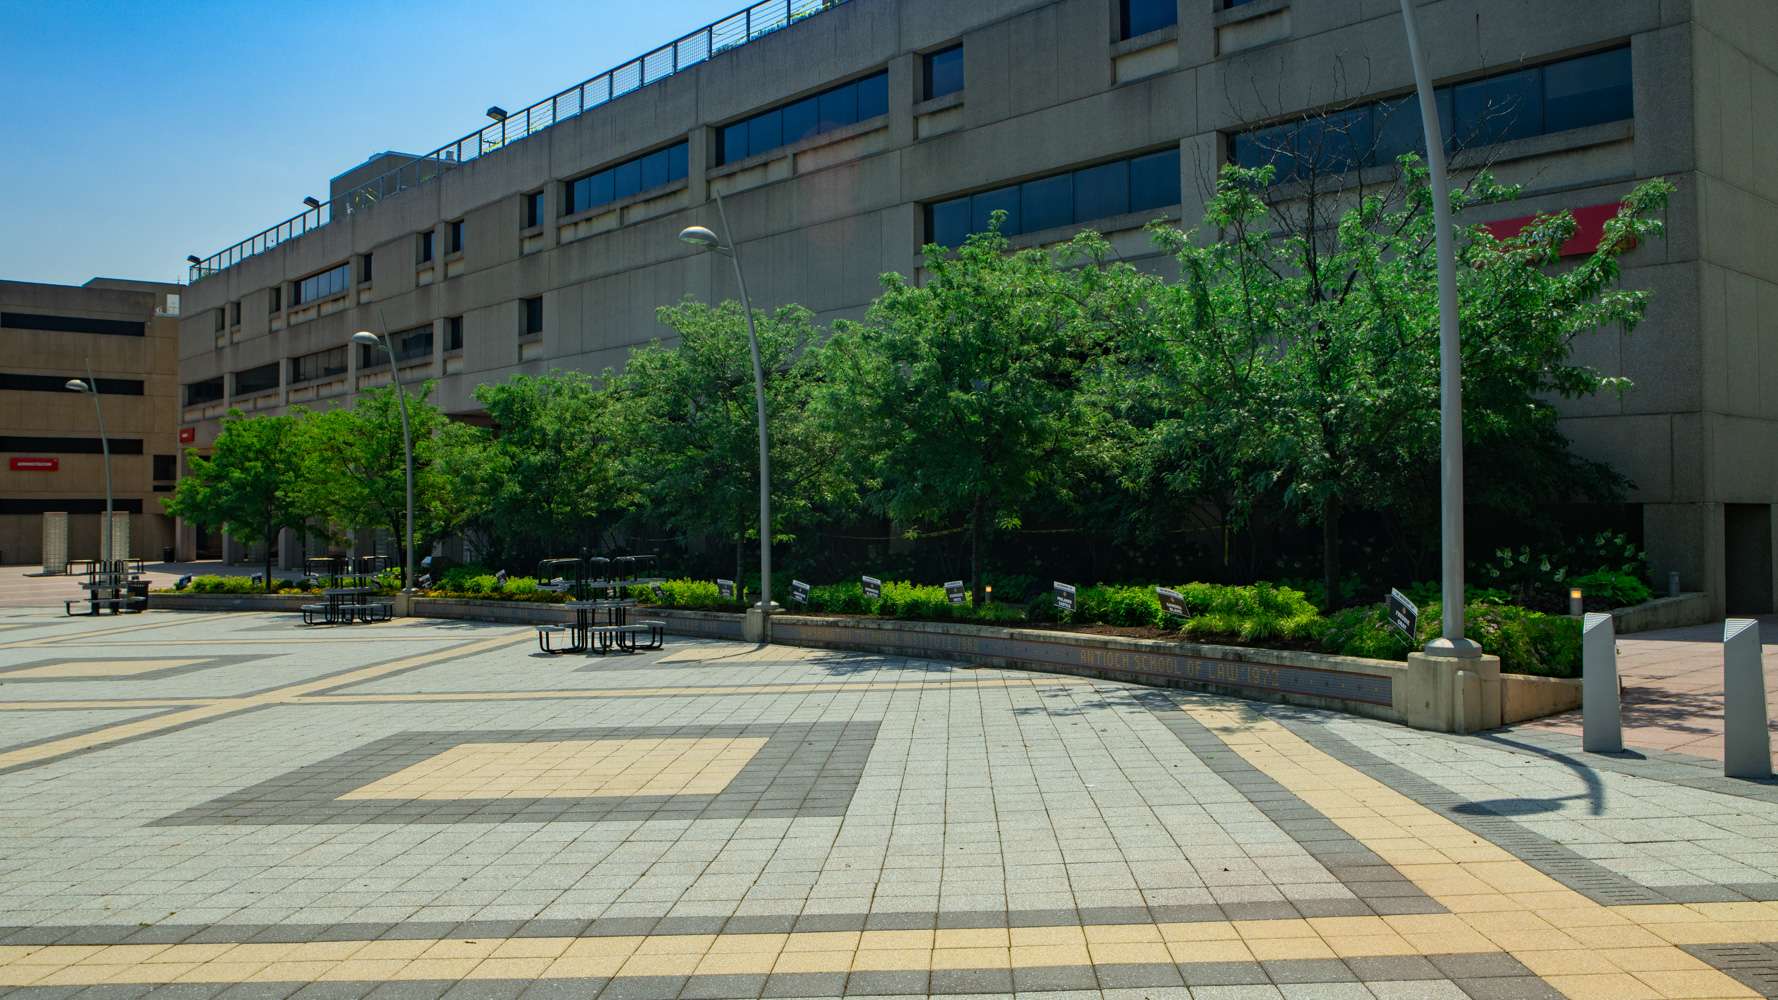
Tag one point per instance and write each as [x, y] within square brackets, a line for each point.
[704, 239]
[1576, 604]
[91, 386]
[365, 338]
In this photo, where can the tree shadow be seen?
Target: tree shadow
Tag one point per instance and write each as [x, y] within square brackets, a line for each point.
[1594, 793]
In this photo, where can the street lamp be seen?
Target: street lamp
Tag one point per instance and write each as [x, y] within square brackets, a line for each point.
[704, 239]
[91, 385]
[1451, 641]
[368, 339]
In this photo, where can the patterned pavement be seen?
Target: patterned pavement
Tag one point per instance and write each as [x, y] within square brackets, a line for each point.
[235, 806]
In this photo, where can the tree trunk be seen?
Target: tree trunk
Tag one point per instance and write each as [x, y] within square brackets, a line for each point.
[975, 554]
[1330, 554]
[271, 539]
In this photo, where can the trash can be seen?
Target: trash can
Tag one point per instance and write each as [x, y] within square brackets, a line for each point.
[167, 554]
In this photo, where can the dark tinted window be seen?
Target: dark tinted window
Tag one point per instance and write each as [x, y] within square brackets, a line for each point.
[260, 379]
[1587, 91]
[322, 364]
[1499, 108]
[837, 107]
[457, 237]
[91, 506]
[1139, 17]
[1572, 93]
[655, 170]
[1076, 197]
[166, 467]
[944, 72]
[10, 382]
[873, 97]
[328, 283]
[70, 446]
[1046, 203]
[734, 143]
[424, 252]
[801, 120]
[984, 205]
[534, 315]
[534, 209]
[1103, 191]
[628, 178]
[364, 264]
[73, 324]
[454, 333]
[275, 300]
[1154, 180]
[947, 223]
[677, 161]
[207, 391]
[765, 131]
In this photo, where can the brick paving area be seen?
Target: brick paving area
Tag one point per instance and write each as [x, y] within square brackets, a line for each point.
[235, 806]
[1672, 682]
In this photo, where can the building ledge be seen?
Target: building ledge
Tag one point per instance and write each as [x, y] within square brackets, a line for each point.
[1147, 40]
[1247, 12]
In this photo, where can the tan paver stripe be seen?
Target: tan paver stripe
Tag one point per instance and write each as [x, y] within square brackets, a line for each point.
[59, 640]
[225, 706]
[1581, 948]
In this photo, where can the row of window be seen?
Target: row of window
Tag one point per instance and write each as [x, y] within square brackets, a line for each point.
[941, 72]
[414, 344]
[835, 108]
[261, 378]
[35, 505]
[411, 346]
[631, 177]
[320, 365]
[14, 382]
[22, 445]
[1571, 93]
[73, 324]
[333, 281]
[1137, 184]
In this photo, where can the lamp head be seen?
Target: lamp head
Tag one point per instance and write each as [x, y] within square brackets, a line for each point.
[702, 238]
[366, 338]
[75, 385]
[194, 258]
[497, 113]
[312, 201]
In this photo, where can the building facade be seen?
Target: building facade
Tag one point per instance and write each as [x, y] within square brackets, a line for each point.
[843, 136]
[127, 333]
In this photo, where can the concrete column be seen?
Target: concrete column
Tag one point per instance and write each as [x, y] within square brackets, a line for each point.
[1602, 729]
[1747, 743]
[1449, 694]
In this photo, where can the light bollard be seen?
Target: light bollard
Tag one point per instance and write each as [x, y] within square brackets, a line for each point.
[1747, 744]
[1602, 726]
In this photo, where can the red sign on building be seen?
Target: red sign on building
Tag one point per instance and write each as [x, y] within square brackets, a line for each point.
[187, 435]
[1589, 228]
[35, 464]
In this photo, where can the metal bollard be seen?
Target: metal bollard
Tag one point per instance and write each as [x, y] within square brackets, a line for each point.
[1747, 744]
[1602, 726]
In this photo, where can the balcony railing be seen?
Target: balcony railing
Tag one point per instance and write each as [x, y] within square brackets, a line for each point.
[728, 33]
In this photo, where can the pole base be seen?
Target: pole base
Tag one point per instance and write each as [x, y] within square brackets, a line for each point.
[1462, 649]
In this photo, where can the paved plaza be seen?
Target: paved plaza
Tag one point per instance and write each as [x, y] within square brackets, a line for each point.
[208, 805]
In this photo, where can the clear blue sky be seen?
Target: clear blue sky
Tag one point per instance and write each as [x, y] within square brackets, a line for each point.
[144, 130]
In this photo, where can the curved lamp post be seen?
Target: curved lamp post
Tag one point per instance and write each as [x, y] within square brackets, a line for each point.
[704, 239]
[91, 386]
[367, 339]
[1451, 641]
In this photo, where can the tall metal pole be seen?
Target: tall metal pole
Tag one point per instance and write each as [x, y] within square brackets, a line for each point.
[92, 386]
[407, 447]
[759, 399]
[1451, 641]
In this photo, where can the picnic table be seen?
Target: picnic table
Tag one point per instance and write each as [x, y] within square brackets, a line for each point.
[345, 605]
[110, 586]
[588, 635]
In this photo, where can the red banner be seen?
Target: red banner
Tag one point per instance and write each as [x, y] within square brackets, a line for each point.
[1589, 227]
[35, 464]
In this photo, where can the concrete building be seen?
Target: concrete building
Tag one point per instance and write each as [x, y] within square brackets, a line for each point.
[128, 332]
[845, 135]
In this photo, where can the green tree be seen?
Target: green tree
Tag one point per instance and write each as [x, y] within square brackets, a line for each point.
[687, 429]
[1330, 335]
[359, 466]
[252, 483]
[547, 480]
[956, 398]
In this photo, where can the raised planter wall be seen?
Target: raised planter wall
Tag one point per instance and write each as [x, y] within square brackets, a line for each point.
[1358, 686]
[1662, 612]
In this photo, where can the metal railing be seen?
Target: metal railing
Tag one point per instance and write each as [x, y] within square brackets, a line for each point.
[730, 32]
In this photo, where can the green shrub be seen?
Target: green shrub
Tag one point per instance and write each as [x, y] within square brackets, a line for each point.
[1527, 642]
[1612, 589]
[690, 595]
[1135, 607]
[1261, 612]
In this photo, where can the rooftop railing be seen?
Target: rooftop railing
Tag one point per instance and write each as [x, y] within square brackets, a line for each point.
[719, 36]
